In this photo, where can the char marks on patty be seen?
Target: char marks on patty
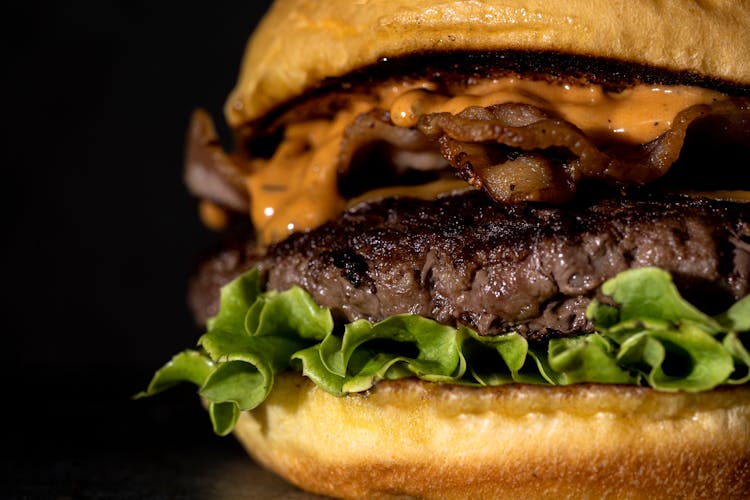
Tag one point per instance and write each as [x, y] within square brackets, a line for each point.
[496, 268]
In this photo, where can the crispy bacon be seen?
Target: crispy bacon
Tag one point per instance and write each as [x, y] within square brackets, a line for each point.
[373, 127]
[516, 152]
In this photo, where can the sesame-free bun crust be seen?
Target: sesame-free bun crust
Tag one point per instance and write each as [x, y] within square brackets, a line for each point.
[410, 438]
[301, 42]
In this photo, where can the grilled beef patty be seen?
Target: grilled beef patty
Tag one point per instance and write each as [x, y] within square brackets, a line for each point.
[466, 259]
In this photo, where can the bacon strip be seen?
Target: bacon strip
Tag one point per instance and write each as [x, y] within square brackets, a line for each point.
[375, 126]
[515, 152]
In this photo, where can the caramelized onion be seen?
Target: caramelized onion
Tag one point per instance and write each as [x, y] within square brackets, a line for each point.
[209, 172]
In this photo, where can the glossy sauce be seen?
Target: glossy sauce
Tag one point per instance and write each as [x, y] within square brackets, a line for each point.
[212, 215]
[297, 188]
[636, 115]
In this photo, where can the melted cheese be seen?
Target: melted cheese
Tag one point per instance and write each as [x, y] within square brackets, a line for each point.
[297, 188]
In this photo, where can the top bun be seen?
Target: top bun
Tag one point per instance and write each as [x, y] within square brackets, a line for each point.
[301, 42]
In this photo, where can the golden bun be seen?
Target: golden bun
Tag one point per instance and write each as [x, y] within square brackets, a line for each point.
[301, 42]
[410, 438]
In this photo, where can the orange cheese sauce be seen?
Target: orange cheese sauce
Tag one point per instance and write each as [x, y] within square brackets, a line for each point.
[212, 215]
[636, 115]
[737, 196]
[297, 188]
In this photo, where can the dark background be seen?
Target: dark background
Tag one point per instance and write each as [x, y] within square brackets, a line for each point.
[100, 239]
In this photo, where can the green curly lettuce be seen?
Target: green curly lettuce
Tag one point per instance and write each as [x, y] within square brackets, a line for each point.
[646, 335]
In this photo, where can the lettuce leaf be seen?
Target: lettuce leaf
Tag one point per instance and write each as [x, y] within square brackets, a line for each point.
[669, 343]
[646, 334]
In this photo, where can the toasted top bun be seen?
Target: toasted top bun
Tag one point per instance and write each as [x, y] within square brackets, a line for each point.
[301, 42]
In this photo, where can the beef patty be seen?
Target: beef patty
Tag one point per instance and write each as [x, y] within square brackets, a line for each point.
[466, 259]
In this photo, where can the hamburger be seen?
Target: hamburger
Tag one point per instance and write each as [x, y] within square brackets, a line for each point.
[482, 249]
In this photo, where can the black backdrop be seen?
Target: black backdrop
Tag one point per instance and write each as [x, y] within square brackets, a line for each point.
[101, 236]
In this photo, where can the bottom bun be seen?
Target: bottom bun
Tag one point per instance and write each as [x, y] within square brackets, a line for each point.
[410, 438]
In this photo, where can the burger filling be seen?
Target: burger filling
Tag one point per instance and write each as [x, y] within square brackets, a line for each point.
[518, 140]
[475, 230]
[463, 259]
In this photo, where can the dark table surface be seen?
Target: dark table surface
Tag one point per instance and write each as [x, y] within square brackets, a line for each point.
[100, 237]
[96, 442]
